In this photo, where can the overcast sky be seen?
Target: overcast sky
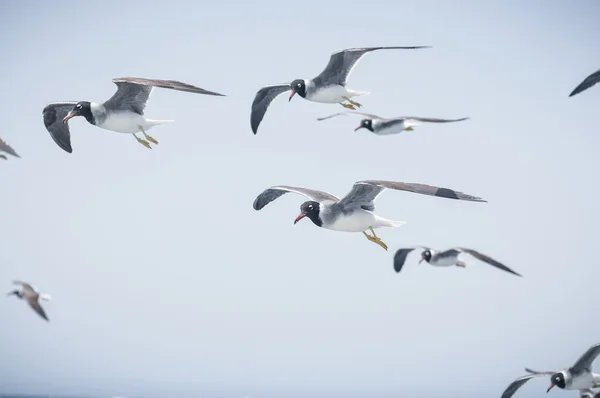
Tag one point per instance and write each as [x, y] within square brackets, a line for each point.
[164, 279]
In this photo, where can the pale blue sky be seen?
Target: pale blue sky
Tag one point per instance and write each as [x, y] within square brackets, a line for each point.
[166, 281]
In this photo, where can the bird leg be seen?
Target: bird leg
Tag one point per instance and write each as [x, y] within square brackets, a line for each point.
[151, 139]
[461, 264]
[143, 142]
[348, 106]
[353, 102]
[3, 157]
[375, 238]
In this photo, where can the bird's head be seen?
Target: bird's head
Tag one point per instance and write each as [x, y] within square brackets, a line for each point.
[14, 292]
[426, 255]
[311, 210]
[82, 108]
[298, 86]
[365, 124]
[558, 380]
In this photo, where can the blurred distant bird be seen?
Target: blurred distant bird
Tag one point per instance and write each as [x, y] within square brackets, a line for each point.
[382, 126]
[577, 377]
[587, 83]
[446, 258]
[31, 295]
[355, 211]
[122, 113]
[4, 147]
[329, 87]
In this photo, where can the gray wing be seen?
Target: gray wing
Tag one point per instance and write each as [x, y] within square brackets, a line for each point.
[133, 92]
[587, 393]
[38, 308]
[342, 62]
[4, 147]
[53, 120]
[25, 286]
[488, 260]
[269, 195]
[587, 83]
[537, 372]
[432, 120]
[262, 100]
[367, 115]
[401, 255]
[515, 385]
[585, 361]
[363, 193]
[447, 254]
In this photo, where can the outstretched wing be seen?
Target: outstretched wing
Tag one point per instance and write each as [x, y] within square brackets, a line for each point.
[584, 363]
[367, 115]
[262, 100]
[341, 63]
[53, 120]
[363, 193]
[402, 254]
[587, 83]
[433, 120]
[26, 286]
[133, 92]
[38, 308]
[269, 195]
[515, 385]
[488, 260]
[4, 147]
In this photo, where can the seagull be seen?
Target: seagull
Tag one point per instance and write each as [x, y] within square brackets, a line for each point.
[329, 87]
[30, 293]
[446, 258]
[382, 126]
[355, 211]
[4, 147]
[122, 113]
[577, 377]
[587, 83]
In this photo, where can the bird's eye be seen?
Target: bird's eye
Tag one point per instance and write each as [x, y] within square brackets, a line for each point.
[298, 85]
[79, 106]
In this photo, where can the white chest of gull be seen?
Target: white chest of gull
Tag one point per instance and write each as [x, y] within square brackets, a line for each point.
[32, 296]
[122, 113]
[382, 126]
[355, 211]
[446, 258]
[578, 377]
[5, 148]
[589, 81]
[329, 87]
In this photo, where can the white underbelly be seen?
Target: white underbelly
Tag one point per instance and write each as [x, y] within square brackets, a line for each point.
[357, 222]
[124, 122]
[329, 95]
[398, 128]
[445, 262]
[582, 382]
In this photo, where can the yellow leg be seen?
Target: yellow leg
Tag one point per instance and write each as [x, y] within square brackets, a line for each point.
[143, 142]
[3, 157]
[151, 139]
[353, 102]
[409, 129]
[375, 239]
[348, 106]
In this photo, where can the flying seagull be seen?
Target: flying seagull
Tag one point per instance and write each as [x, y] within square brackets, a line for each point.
[587, 83]
[31, 295]
[355, 211]
[329, 87]
[577, 377]
[446, 258]
[122, 113]
[382, 126]
[4, 147]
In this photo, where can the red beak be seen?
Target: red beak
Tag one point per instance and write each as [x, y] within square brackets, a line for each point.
[421, 260]
[359, 127]
[292, 95]
[300, 217]
[550, 388]
[70, 115]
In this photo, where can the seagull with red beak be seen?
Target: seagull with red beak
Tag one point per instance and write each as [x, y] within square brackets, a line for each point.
[328, 88]
[578, 377]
